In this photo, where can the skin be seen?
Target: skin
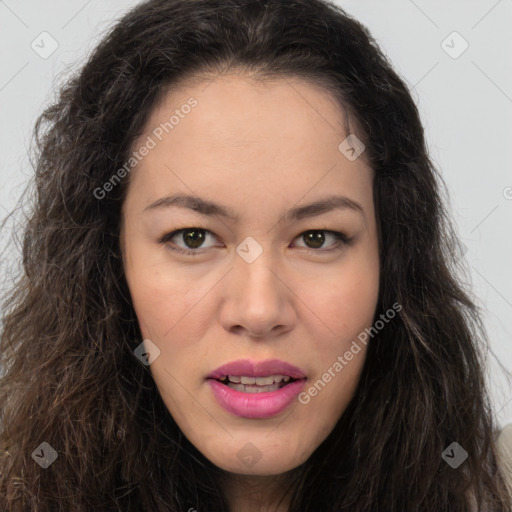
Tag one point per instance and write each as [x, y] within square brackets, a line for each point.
[258, 149]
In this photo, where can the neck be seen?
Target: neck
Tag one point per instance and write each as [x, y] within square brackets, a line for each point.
[256, 493]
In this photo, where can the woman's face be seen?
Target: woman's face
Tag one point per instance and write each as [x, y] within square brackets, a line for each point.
[264, 279]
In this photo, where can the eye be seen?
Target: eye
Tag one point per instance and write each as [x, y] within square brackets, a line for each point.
[316, 237]
[193, 239]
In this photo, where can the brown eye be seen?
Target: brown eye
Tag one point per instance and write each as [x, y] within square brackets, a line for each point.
[193, 238]
[316, 238]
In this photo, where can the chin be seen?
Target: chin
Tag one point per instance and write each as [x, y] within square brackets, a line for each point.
[250, 461]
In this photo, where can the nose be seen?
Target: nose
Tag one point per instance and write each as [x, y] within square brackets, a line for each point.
[258, 302]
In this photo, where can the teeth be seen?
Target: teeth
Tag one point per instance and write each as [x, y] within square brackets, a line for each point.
[254, 389]
[265, 381]
[255, 384]
[259, 381]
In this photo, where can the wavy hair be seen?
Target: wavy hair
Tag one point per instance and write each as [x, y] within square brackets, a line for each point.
[69, 328]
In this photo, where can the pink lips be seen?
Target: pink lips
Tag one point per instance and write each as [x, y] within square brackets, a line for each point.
[256, 405]
[257, 369]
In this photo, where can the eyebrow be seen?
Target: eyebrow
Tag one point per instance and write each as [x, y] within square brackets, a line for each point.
[205, 207]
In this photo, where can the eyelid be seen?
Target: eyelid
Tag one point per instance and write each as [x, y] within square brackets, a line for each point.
[342, 240]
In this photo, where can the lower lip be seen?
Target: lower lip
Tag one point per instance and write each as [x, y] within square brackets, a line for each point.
[256, 405]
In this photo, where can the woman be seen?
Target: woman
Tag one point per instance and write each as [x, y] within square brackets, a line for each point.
[185, 337]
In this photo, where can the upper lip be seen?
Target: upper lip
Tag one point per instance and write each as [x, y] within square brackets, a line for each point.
[250, 368]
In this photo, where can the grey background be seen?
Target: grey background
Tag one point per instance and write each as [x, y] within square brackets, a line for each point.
[465, 103]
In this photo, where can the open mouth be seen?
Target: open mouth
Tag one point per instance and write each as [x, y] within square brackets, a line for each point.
[256, 384]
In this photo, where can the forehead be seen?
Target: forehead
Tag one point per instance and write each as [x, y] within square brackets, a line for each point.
[237, 106]
[256, 139]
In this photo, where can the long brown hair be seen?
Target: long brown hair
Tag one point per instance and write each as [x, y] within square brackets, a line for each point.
[69, 330]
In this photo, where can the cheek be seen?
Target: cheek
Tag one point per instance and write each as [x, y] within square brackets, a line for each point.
[163, 298]
[167, 314]
[346, 304]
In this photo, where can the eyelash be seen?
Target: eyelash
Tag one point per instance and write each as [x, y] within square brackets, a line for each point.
[341, 240]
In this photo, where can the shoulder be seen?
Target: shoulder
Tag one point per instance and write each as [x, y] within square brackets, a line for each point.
[504, 442]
